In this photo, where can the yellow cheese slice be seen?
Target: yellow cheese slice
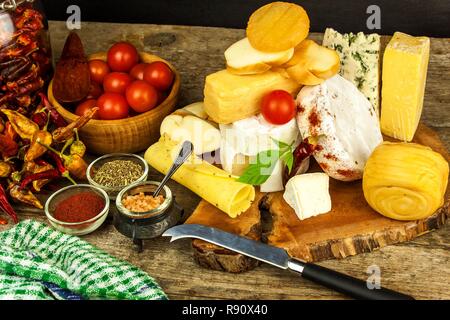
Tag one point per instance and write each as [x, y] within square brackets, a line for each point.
[209, 182]
[405, 65]
[230, 97]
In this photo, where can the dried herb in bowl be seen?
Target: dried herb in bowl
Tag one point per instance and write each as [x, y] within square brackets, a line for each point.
[118, 173]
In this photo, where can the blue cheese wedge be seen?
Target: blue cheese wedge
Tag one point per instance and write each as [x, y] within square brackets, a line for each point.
[308, 194]
[360, 61]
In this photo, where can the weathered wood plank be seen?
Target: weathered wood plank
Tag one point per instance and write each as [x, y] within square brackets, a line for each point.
[420, 267]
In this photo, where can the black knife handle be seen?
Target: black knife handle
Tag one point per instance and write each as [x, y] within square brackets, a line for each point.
[343, 283]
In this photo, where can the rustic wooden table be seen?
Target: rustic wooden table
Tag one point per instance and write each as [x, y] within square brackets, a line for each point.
[420, 268]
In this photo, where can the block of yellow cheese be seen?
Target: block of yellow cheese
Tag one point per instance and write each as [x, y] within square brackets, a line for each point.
[230, 97]
[405, 65]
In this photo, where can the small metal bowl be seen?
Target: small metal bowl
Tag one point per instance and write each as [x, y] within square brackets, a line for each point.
[96, 164]
[146, 225]
[76, 228]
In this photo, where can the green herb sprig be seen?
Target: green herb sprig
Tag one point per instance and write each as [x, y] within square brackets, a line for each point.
[259, 172]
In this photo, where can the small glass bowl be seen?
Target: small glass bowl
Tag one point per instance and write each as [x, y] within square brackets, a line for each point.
[76, 228]
[150, 224]
[96, 164]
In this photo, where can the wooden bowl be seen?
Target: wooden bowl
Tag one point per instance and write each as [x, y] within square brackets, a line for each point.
[128, 135]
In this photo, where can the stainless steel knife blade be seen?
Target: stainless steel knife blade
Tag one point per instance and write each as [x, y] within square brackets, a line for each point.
[254, 249]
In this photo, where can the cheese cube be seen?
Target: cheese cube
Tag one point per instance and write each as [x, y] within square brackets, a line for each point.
[360, 61]
[405, 67]
[230, 97]
[308, 194]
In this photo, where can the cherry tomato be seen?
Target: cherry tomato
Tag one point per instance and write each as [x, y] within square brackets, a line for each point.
[137, 72]
[278, 107]
[95, 91]
[141, 96]
[116, 82]
[122, 56]
[159, 75]
[85, 106]
[98, 70]
[112, 106]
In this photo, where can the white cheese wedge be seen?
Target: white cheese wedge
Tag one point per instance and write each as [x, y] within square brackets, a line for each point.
[242, 140]
[342, 120]
[308, 194]
[360, 61]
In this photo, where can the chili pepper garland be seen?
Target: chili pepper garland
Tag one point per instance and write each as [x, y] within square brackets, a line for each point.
[24, 61]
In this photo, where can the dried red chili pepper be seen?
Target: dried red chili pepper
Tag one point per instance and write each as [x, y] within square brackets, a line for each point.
[60, 166]
[41, 162]
[303, 151]
[73, 163]
[8, 147]
[40, 118]
[10, 132]
[46, 175]
[6, 206]
[55, 117]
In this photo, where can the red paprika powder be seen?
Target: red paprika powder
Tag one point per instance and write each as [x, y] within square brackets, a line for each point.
[79, 207]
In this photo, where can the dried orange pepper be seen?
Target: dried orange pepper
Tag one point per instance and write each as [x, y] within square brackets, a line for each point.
[36, 149]
[23, 126]
[24, 196]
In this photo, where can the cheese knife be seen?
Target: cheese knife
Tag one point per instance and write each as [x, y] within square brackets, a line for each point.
[277, 257]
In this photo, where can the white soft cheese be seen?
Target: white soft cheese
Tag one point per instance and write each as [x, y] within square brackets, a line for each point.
[250, 136]
[308, 194]
[342, 119]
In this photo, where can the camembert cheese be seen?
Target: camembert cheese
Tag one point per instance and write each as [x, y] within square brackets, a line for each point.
[360, 61]
[405, 65]
[308, 194]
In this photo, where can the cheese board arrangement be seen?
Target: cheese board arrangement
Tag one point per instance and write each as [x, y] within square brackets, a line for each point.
[300, 151]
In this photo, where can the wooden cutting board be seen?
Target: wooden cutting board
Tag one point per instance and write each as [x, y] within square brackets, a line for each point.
[351, 228]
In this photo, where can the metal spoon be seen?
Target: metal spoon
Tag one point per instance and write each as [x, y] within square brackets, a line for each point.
[185, 152]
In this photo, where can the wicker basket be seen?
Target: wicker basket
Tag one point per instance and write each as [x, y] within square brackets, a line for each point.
[128, 135]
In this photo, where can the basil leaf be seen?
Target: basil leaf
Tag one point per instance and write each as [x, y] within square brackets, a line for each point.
[281, 145]
[252, 176]
[258, 173]
[288, 159]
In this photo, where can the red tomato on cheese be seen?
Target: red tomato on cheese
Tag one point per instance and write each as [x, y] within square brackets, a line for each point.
[278, 107]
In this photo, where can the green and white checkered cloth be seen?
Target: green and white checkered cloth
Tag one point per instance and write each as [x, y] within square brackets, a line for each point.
[32, 254]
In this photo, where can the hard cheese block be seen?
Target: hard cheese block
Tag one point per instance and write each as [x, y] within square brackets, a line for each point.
[230, 97]
[360, 61]
[405, 65]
